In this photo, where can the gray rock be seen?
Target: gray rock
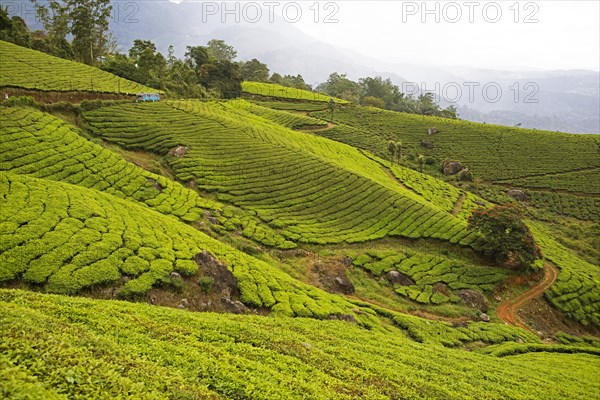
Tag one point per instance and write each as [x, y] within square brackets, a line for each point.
[517, 194]
[181, 307]
[235, 307]
[427, 144]
[441, 288]
[213, 220]
[473, 298]
[175, 275]
[184, 302]
[179, 151]
[398, 278]
[484, 317]
[451, 167]
[343, 285]
[223, 279]
[346, 261]
[432, 131]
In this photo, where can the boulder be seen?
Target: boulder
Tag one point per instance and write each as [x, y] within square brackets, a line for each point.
[484, 317]
[223, 279]
[185, 303]
[346, 261]
[236, 307]
[342, 284]
[432, 131]
[473, 298]
[213, 220]
[175, 275]
[179, 151]
[517, 194]
[441, 288]
[452, 167]
[427, 144]
[398, 278]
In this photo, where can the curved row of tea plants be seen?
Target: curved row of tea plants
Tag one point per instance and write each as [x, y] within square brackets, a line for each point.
[40, 145]
[580, 207]
[68, 238]
[316, 190]
[54, 347]
[427, 270]
[491, 152]
[284, 92]
[292, 105]
[31, 69]
[577, 289]
[283, 118]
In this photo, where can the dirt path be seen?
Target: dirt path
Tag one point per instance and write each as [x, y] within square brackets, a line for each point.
[458, 205]
[508, 310]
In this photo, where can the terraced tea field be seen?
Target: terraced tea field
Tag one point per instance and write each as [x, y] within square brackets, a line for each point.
[67, 238]
[427, 270]
[315, 190]
[30, 69]
[577, 289]
[492, 152]
[136, 350]
[284, 92]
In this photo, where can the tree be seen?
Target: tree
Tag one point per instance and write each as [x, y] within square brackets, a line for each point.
[371, 101]
[395, 150]
[506, 237]
[196, 57]
[254, 71]
[221, 51]
[222, 77]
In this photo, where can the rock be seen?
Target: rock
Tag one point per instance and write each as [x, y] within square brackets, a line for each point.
[344, 317]
[518, 340]
[517, 194]
[231, 306]
[427, 144]
[472, 298]
[484, 317]
[192, 184]
[179, 151]
[181, 307]
[441, 288]
[223, 279]
[175, 275]
[152, 300]
[185, 303]
[451, 167]
[431, 131]
[398, 278]
[156, 185]
[341, 284]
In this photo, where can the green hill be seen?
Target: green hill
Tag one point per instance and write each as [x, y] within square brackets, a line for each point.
[57, 348]
[318, 191]
[30, 69]
[284, 92]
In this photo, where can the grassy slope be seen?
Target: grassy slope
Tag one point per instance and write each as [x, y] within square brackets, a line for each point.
[319, 190]
[68, 238]
[31, 69]
[54, 347]
[283, 92]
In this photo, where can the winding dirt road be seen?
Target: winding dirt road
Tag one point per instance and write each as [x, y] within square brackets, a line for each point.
[507, 311]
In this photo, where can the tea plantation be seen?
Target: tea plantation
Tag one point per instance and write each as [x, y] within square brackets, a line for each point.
[316, 190]
[54, 347]
[30, 69]
[284, 92]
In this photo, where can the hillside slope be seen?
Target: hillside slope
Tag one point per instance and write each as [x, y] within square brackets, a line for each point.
[31, 69]
[55, 348]
[317, 190]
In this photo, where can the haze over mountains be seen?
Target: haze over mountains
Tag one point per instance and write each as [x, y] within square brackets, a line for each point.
[562, 100]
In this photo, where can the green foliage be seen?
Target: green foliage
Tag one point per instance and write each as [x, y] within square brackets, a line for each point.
[426, 270]
[58, 347]
[506, 236]
[30, 69]
[206, 283]
[283, 92]
[313, 190]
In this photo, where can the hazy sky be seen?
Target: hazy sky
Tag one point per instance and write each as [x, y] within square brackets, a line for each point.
[565, 36]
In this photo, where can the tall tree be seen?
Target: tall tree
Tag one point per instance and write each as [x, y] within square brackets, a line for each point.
[254, 71]
[221, 51]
